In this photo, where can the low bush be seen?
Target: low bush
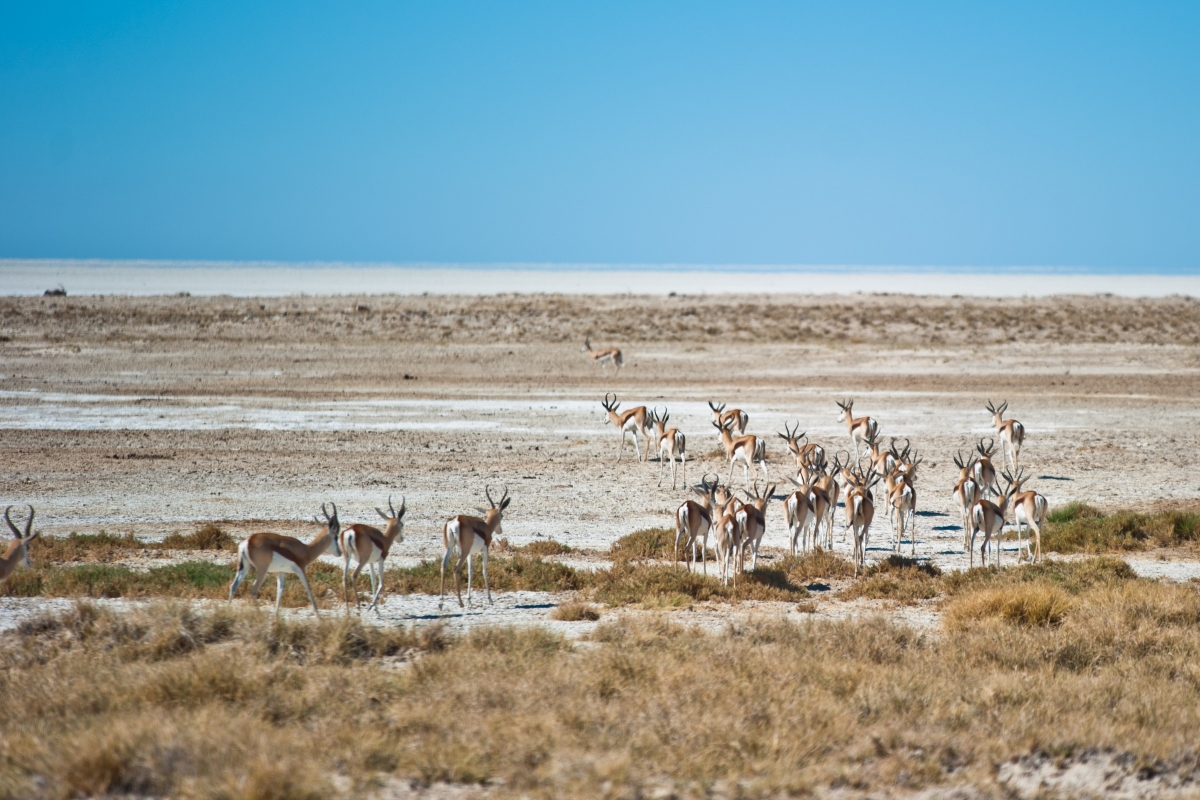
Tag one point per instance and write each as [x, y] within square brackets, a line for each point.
[1078, 528]
[898, 578]
[575, 611]
[106, 547]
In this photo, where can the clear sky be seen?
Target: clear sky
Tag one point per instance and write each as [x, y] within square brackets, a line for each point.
[933, 134]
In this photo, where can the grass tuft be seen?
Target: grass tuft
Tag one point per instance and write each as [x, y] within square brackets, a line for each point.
[1079, 528]
[1026, 604]
[898, 578]
[575, 611]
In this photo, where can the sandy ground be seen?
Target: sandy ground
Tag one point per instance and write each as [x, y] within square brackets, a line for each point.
[154, 415]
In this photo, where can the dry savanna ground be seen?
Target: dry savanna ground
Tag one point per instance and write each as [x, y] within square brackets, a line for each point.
[160, 431]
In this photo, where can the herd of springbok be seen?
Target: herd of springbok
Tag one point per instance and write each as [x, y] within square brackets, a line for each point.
[737, 525]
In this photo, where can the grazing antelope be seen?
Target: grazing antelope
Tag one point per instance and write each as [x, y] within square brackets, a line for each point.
[966, 492]
[752, 524]
[988, 517]
[1012, 433]
[605, 356]
[274, 552]
[1029, 510]
[804, 452]
[800, 514]
[671, 444]
[860, 507]
[861, 429]
[694, 520]
[17, 552]
[370, 546]
[985, 470]
[746, 449]
[740, 418]
[467, 536]
[632, 421]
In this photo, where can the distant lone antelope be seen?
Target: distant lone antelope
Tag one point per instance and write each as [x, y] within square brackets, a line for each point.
[604, 357]
[273, 552]
[17, 552]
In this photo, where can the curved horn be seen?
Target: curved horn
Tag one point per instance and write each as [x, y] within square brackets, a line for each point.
[1002, 408]
[11, 527]
[29, 522]
[487, 491]
[391, 507]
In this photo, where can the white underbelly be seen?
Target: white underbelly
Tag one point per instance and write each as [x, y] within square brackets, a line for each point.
[281, 564]
[477, 545]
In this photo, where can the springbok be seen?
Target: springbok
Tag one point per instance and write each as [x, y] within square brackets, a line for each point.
[861, 429]
[693, 520]
[966, 492]
[274, 552]
[467, 536]
[370, 546]
[803, 451]
[726, 537]
[988, 517]
[740, 418]
[752, 524]
[746, 449]
[672, 444]
[17, 552]
[1012, 433]
[632, 421]
[605, 356]
[1029, 510]
[985, 470]
[798, 511]
[860, 507]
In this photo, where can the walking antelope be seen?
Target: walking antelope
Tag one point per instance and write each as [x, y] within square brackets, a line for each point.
[1012, 433]
[985, 470]
[17, 552]
[861, 429]
[804, 452]
[467, 536]
[740, 418]
[988, 517]
[800, 514]
[860, 511]
[752, 524]
[902, 500]
[1029, 510]
[632, 421]
[274, 552]
[605, 356]
[727, 538]
[827, 491]
[746, 449]
[966, 492]
[370, 546]
[693, 520]
[671, 444]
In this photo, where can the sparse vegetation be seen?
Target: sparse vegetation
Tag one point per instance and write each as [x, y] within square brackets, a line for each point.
[897, 578]
[575, 611]
[107, 547]
[541, 548]
[1079, 528]
[168, 702]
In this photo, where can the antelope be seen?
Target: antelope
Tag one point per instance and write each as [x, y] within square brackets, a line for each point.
[861, 429]
[827, 491]
[740, 418]
[752, 524]
[605, 356]
[274, 552]
[966, 491]
[860, 511]
[988, 517]
[799, 511]
[631, 421]
[727, 540]
[370, 547]
[694, 520]
[467, 536]
[746, 449]
[804, 452]
[671, 443]
[985, 471]
[902, 501]
[1029, 510]
[1012, 433]
[17, 552]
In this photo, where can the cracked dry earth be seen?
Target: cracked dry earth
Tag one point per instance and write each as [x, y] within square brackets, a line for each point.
[153, 415]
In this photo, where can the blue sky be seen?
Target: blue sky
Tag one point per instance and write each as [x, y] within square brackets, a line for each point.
[928, 134]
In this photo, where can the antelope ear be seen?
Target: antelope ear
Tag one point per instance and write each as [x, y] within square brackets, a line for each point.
[380, 513]
[504, 503]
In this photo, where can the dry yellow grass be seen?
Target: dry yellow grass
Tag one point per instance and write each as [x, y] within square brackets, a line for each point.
[232, 704]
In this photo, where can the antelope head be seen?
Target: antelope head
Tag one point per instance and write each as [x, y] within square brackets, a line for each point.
[791, 438]
[395, 520]
[988, 451]
[847, 410]
[21, 542]
[997, 413]
[587, 345]
[493, 513]
[333, 527]
[610, 406]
